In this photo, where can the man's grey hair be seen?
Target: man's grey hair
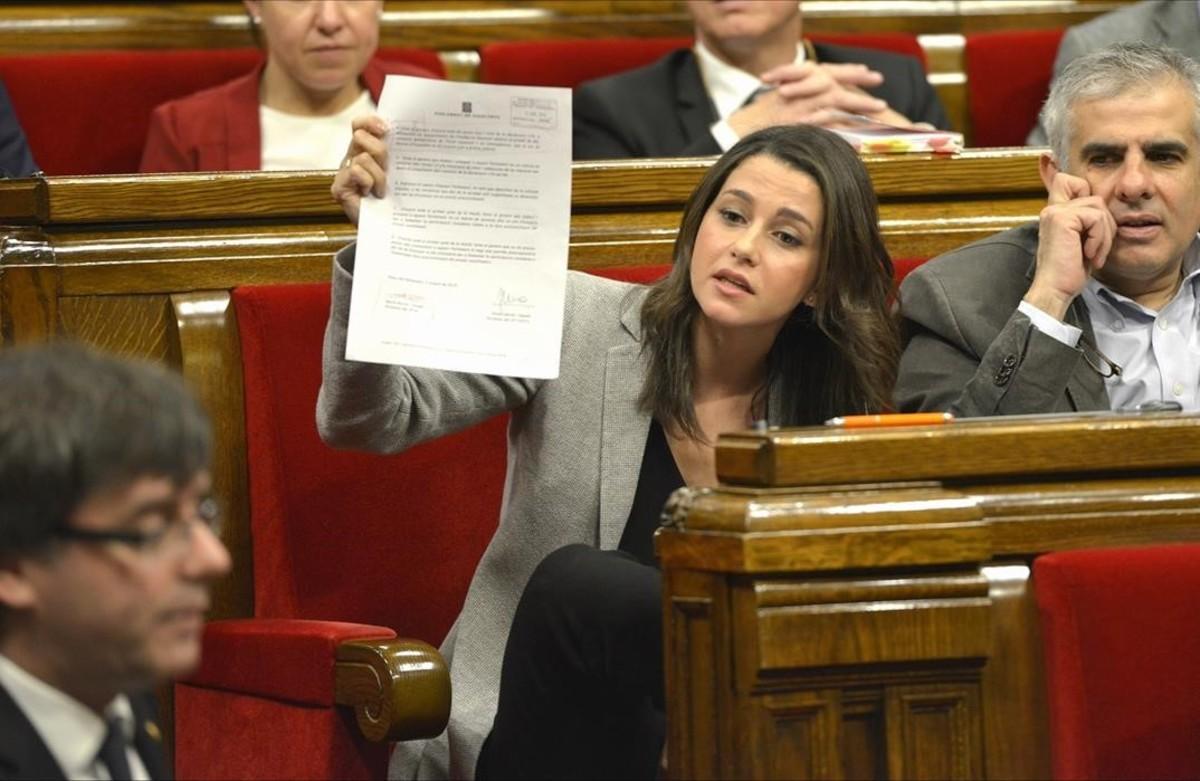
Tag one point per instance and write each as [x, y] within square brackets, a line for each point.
[1108, 73]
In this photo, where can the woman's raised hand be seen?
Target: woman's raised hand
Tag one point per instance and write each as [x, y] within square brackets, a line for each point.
[363, 169]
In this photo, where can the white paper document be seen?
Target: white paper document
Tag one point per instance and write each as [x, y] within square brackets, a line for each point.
[463, 264]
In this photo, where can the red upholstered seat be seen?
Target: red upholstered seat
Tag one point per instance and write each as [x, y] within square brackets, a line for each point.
[1008, 78]
[87, 112]
[1121, 628]
[570, 62]
[897, 43]
[345, 546]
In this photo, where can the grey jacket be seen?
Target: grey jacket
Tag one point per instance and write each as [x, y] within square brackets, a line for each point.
[1175, 23]
[575, 447]
[970, 351]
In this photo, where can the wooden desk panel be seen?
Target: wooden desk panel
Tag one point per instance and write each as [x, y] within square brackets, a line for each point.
[875, 619]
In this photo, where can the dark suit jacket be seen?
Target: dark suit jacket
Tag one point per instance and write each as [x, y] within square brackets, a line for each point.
[15, 159]
[971, 352]
[663, 110]
[24, 755]
[218, 129]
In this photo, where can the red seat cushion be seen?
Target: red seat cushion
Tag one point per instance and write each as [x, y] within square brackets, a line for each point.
[1008, 77]
[1121, 629]
[281, 659]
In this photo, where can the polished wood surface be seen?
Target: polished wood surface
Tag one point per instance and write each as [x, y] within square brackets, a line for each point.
[143, 265]
[854, 609]
[399, 689]
[467, 24]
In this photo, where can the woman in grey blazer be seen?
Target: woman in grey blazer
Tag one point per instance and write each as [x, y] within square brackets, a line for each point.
[775, 309]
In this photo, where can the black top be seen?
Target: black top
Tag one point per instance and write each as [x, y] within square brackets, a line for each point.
[658, 478]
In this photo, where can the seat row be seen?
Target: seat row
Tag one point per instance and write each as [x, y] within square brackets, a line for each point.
[109, 95]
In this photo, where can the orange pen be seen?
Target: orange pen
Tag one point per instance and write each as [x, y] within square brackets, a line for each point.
[894, 419]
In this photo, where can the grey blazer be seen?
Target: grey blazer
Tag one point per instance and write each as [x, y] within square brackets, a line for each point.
[575, 448]
[1175, 23]
[970, 352]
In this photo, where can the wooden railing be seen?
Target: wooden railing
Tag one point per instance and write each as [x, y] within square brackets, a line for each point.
[858, 604]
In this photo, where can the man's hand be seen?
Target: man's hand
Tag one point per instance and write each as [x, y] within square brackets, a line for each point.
[814, 94]
[1075, 233]
[363, 167]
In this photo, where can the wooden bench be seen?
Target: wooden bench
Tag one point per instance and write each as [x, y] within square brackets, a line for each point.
[858, 604]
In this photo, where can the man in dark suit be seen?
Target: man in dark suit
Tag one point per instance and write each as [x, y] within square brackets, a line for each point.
[15, 158]
[106, 555]
[750, 69]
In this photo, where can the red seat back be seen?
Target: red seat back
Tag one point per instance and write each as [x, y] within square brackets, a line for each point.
[570, 62]
[385, 540]
[1008, 77]
[897, 43]
[1121, 629]
[354, 537]
[97, 119]
[88, 112]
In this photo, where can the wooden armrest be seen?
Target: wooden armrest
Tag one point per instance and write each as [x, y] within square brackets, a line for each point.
[399, 689]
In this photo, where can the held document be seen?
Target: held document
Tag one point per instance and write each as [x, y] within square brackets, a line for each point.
[462, 264]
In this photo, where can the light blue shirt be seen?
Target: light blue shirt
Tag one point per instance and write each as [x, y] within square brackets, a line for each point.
[1158, 352]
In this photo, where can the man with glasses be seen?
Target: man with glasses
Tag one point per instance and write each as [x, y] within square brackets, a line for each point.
[107, 551]
[1094, 306]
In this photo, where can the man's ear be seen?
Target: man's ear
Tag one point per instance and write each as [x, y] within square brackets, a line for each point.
[16, 590]
[1048, 168]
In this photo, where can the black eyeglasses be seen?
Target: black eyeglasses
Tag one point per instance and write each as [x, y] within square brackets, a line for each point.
[1103, 365]
[175, 534]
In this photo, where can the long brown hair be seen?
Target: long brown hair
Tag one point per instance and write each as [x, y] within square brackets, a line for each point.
[836, 357]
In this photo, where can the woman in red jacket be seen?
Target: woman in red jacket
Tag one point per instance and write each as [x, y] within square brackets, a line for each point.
[293, 110]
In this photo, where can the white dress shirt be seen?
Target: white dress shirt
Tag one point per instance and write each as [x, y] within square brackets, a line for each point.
[1158, 352]
[71, 731]
[291, 142]
[729, 88]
